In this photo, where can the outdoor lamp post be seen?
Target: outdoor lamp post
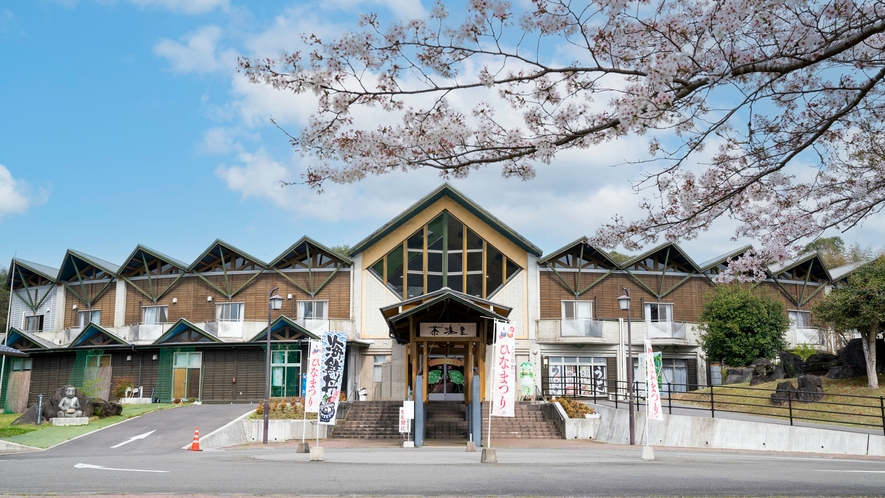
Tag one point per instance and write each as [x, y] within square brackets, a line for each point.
[274, 302]
[624, 304]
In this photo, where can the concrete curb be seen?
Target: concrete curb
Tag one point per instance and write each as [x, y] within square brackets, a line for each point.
[7, 447]
[230, 434]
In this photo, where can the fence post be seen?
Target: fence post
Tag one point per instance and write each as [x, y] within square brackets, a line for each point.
[882, 408]
[669, 399]
[712, 409]
[790, 404]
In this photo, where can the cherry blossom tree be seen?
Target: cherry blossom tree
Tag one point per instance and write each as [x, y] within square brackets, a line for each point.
[768, 112]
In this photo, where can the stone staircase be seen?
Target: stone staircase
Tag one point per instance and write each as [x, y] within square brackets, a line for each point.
[445, 420]
[529, 423]
[369, 420]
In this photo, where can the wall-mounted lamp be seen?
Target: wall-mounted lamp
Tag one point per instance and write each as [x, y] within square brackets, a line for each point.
[128, 357]
[174, 300]
[288, 296]
[74, 307]
[209, 299]
[154, 357]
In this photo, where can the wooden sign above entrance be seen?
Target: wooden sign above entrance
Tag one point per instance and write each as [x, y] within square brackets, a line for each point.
[446, 330]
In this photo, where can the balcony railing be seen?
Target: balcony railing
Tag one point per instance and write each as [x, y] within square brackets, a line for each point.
[809, 336]
[666, 330]
[580, 327]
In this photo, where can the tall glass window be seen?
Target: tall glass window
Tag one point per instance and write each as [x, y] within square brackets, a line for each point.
[444, 253]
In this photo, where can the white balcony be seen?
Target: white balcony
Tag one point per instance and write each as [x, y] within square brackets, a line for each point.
[666, 330]
[580, 327]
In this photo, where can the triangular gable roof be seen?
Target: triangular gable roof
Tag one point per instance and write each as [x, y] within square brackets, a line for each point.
[841, 273]
[8, 351]
[296, 248]
[589, 249]
[136, 257]
[186, 332]
[724, 258]
[680, 256]
[284, 329]
[818, 268]
[67, 271]
[46, 272]
[94, 335]
[397, 314]
[23, 340]
[446, 190]
[213, 251]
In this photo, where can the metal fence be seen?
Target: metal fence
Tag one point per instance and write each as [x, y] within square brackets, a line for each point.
[852, 410]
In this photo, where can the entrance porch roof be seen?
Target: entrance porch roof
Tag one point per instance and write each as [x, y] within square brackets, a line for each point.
[442, 305]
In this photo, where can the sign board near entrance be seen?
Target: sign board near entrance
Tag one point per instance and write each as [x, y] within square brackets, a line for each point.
[446, 329]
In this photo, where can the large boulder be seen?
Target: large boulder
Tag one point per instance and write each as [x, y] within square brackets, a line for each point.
[791, 363]
[737, 375]
[843, 372]
[765, 371]
[852, 355]
[820, 363]
[103, 408]
[783, 392]
[810, 388]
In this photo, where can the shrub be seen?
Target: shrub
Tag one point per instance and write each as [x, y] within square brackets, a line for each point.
[122, 384]
[805, 351]
[574, 408]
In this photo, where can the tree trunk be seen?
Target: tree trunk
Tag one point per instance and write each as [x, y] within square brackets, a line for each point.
[868, 338]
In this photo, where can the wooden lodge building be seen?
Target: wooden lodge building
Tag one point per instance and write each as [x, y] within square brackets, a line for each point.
[420, 294]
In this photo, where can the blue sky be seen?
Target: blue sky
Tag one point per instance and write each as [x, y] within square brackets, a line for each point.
[125, 122]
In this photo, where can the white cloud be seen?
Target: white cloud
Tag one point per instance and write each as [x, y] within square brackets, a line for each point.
[404, 9]
[16, 196]
[183, 6]
[199, 54]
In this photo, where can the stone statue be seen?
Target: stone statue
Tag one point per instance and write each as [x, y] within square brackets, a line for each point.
[69, 406]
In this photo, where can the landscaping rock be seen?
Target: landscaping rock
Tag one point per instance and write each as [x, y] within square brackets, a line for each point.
[820, 363]
[765, 371]
[843, 372]
[28, 417]
[852, 355]
[791, 363]
[736, 375]
[783, 392]
[103, 408]
[810, 388]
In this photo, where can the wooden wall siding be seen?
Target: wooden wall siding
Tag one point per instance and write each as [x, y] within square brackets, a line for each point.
[233, 375]
[16, 393]
[191, 293]
[688, 297]
[148, 366]
[48, 373]
[106, 303]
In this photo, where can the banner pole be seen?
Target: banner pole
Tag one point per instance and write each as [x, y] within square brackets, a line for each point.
[494, 371]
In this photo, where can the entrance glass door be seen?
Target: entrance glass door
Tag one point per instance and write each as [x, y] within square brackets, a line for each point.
[445, 378]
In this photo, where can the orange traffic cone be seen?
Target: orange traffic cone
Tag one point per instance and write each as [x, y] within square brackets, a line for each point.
[195, 446]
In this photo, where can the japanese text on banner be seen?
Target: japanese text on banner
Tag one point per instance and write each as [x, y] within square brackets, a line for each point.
[503, 383]
[651, 381]
[334, 347]
[312, 393]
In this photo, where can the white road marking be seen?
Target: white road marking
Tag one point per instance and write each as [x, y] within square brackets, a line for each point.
[857, 471]
[99, 467]
[133, 438]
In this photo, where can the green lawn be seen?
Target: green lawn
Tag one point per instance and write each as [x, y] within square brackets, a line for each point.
[845, 402]
[46, 434]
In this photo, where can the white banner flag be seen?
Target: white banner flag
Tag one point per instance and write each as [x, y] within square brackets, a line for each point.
[654, 410]
[334, 347]
[504, 383]
[312, 393]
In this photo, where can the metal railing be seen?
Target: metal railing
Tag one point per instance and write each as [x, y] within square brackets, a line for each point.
[850, 411]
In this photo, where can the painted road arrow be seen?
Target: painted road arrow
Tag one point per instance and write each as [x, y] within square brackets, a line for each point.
[133, 438]
[99, 467]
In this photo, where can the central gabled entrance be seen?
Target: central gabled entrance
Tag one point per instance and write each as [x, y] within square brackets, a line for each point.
[447, 333]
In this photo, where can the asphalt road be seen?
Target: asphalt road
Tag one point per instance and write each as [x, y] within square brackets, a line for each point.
[155, 465]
